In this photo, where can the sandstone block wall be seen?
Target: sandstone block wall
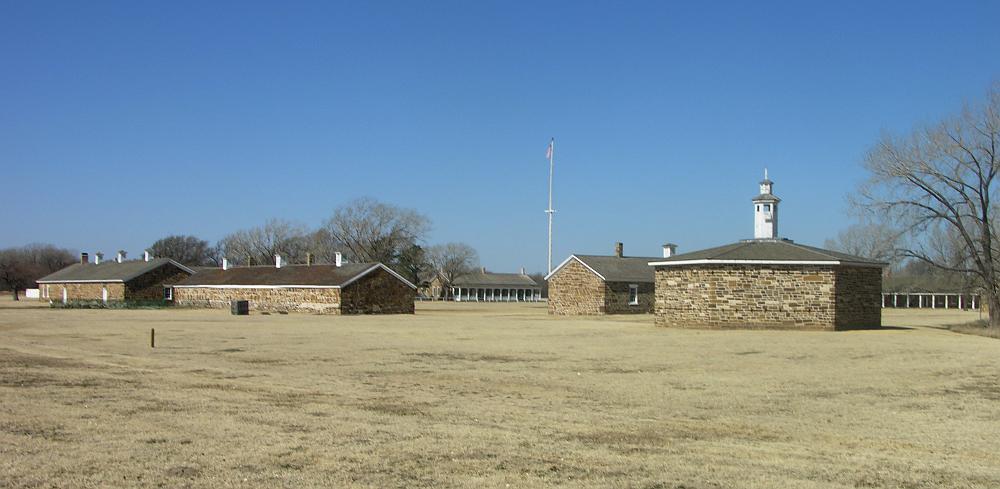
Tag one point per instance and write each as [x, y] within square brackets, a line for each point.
[150, 285]
[379, 292]
[576, 290]
[859, 297]
[322, 301]
[91, 291]
[616, 298]
[746, 296]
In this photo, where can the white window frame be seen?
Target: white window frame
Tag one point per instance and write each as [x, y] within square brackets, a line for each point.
[168, 293]
[633, 301]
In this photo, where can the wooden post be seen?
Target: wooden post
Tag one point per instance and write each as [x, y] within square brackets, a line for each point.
[152, 337]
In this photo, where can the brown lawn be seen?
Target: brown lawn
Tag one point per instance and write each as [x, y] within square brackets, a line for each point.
[464, 395]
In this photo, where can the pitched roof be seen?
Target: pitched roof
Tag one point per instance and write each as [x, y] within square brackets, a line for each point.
[766, 251]
[109, 271]
[286, 276]
[634, 269]
[490, 279]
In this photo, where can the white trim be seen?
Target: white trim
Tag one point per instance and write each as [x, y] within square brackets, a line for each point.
[634, 287]
[709, 261]
[566, 261]
[79, 281]
[378, 265]
[256, 286]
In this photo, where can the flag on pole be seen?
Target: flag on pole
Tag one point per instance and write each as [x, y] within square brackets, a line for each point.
[548, 150]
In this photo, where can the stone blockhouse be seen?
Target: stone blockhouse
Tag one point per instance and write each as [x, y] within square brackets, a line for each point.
[112, 280]
[349, 288]
[768, 283]
[484, 286]
[599, 284]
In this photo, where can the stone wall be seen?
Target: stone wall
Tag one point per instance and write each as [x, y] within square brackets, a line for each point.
[379, 292]
[616, 298]
[746, 296]
[574, 289]
[859, 297]
[321, 301]
[90, 291]
[149, 286]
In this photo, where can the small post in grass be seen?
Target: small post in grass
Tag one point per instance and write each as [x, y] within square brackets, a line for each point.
[152, 337]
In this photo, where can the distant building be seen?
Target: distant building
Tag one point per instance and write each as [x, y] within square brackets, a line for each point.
[599, 284]
[112, 280]
[768, 282]
[483, 286]
[340, 288]
[433, 286]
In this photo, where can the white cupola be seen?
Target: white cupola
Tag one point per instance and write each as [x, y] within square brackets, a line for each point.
[765, 211]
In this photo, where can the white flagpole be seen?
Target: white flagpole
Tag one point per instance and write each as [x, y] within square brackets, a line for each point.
[550, 211]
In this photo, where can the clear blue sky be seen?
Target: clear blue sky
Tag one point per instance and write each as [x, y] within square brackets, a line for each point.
[122, 122]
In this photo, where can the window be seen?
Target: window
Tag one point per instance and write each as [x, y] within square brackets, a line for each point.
[168, 293]
[767, 207]
[633, 295]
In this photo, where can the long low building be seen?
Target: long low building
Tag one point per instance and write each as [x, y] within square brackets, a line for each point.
[348, 288]
[483, 286]
[599, 284]
[113, 280]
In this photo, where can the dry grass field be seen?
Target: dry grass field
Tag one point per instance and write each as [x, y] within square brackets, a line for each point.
[465, 395]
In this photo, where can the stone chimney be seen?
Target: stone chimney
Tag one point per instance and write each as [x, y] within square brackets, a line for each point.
[225, 263]
[483, 269]
[669, 250]
[619, 249]
[146, 256]
[522, 271]
[309, 259]
[338, 259]
[121, 256]
[277, 260]
[84, 258]
[98, 257]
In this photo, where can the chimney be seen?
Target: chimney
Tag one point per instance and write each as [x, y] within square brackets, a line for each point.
[98, 257]
[121, 256]
[309, 259]
[337, 259]
[145, 255]
[249, 260]
[277, 260]
[619, 249]
[669, 250]
[483, 269]
[522, 270]
[84, 258]
[225, 263]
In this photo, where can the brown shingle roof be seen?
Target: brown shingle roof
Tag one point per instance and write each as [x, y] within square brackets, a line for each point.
[288, 275]
[768, 250]
[491, 279]
[633, 269]
[109, 271]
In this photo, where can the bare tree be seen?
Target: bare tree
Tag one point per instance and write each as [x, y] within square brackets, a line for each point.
[453, 260]
[258, 245]
[943, 176]
[373, 231]
[188, 250]
[21, 267]
[869, 240]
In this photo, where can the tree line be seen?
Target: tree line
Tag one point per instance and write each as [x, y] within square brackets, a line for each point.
[363, 230]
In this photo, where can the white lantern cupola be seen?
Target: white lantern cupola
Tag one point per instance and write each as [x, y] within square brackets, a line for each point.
[765, 222]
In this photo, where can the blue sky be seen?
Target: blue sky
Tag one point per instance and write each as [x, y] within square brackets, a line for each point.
[122, 122]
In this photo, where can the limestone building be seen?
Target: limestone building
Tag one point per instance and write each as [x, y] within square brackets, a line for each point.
[483, 286]
[113, 280]
[599, 284]
[768, 282]
[340, 288]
